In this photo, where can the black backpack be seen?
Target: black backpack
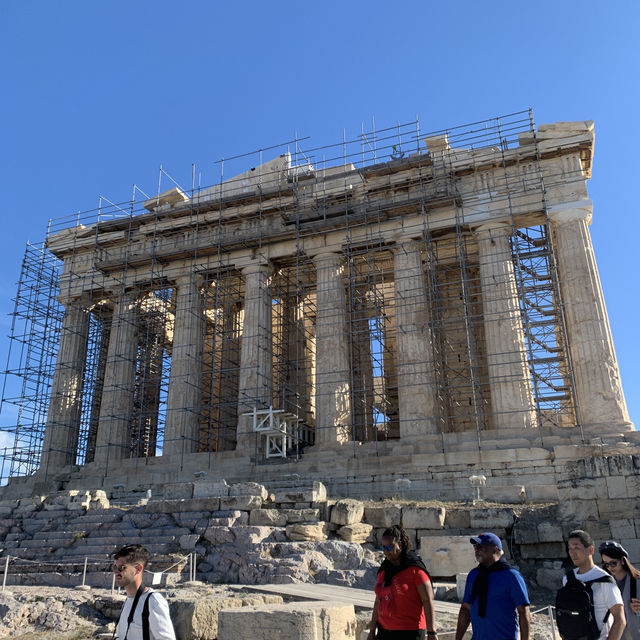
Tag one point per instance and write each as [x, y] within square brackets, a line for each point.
[575, 613]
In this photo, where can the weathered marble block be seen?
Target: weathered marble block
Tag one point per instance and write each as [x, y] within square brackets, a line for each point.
[295, 621]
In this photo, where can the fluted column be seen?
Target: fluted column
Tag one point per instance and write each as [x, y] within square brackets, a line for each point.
[600, 399]
[391, 371]
[255, 386]
[63, 419]
[362, 398]
[148, 387]
[182, 428]
[417, 391]
[104, 318]
[116, 408]
[333, 392]
[226, 377]
[509, 378]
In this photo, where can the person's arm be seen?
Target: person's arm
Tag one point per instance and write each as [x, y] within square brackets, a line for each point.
[160, 625]
[373, 625]
[464, 619]
[425, 591]
[619, 622]
[524, 621]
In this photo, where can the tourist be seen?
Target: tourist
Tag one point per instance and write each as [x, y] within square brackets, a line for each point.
[495, 596]
[404, 607]
[615, 560]
[607, 601]
[143, 608]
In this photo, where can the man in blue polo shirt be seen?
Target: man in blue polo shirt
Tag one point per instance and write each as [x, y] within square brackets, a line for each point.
[493, 595]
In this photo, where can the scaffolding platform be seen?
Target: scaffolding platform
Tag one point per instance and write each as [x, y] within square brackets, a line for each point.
[282, 431]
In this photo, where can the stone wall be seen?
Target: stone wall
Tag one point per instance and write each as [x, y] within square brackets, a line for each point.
[247, 533]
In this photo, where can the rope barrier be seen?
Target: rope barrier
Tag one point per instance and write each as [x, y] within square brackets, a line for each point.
[552, 620]
[157, 575]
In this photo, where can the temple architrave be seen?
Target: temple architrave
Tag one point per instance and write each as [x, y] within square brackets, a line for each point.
[418, 316]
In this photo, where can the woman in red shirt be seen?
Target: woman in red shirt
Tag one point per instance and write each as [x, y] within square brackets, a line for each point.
[404, 608]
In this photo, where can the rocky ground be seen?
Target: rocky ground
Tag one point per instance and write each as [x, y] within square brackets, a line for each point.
[56, 613]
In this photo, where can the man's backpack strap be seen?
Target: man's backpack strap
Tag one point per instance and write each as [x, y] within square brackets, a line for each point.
[145, 618]
[609, 580]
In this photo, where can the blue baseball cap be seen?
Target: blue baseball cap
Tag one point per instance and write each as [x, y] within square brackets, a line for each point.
[488, 539]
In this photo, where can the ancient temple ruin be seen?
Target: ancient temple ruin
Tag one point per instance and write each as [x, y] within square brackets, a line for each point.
[394, 305]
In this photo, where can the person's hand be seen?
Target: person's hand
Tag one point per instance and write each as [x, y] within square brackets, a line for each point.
[635, 605]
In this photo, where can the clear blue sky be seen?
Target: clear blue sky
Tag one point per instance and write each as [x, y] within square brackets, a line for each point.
[96, 95]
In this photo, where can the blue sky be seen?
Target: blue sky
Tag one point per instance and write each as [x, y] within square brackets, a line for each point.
[97, 95]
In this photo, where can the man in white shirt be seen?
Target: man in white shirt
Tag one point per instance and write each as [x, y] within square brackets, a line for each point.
[606, 596]
[144, 611]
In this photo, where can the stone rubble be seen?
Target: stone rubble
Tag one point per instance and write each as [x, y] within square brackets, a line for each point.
[289, 535]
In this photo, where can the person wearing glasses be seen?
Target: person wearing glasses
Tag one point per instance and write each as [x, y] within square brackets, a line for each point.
[615, 560]
[608, 608]
[145, 613]
[495, 599]
[404, 606]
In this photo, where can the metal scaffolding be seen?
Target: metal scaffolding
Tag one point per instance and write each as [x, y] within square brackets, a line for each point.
[140, 392]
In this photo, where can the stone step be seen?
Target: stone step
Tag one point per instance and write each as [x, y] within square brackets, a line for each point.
[97, 516]
[108, 549]
[116, 537]
[148, 533]
[134, 537]
[35, 549]
[61, 535]
[102, 516]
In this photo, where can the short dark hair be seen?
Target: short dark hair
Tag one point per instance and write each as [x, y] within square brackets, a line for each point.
[585, 538]
[398, 534]
[133, 554]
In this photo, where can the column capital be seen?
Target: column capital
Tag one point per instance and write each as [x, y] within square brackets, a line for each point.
[119, 292]
[403, 239]
[192, 277]
[492, 225]
[259, 266]
[319, 255]
[571, 212]
[83, 300]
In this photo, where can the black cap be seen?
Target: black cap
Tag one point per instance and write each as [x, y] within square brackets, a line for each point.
[613, 549]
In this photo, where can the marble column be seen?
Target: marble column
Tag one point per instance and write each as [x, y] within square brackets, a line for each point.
[333, 392]
[506, 351]
[600, 399]
[417, 389]
[182, 427]
[116, 408]
[363, 398]
[65, 406]
[390, 372]
[228, 377]
[104, 318]
[295, 384]
[255, 386]
[144, 431]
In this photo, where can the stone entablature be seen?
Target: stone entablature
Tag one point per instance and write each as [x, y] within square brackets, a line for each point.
[483, 179]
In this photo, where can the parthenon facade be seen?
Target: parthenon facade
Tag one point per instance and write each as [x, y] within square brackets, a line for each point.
[438, 295]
